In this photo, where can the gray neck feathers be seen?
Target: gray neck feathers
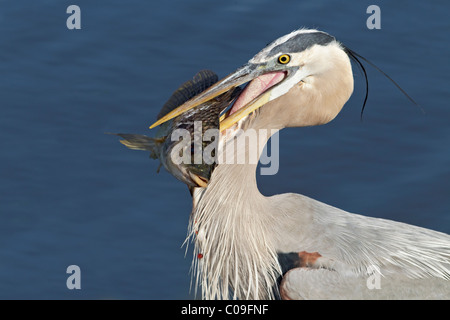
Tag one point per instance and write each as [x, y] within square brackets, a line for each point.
[234, 255]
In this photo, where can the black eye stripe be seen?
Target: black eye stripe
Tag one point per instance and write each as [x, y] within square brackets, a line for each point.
[301, 42]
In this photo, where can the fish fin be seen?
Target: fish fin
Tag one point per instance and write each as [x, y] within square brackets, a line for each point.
[159, 167]
[141, 142]
[199, 83]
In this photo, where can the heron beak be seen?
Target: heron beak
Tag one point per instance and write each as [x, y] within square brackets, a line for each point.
[229, 119]
[244, 74]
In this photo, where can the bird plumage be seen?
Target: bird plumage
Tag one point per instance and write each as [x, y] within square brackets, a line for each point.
[241, 233]
[242, 237]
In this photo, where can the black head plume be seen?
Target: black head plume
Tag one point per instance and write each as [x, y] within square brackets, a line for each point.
[356, 57]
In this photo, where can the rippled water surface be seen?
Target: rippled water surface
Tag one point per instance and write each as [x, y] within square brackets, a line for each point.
[69, 194]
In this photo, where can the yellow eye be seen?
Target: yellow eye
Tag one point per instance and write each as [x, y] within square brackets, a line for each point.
[284, 58]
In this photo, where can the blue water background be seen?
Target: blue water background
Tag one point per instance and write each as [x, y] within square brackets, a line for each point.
[69, 194]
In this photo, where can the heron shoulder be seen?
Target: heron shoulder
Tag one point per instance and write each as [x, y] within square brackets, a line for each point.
[358, 241]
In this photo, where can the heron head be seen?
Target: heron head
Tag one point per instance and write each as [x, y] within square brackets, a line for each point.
[301, 79]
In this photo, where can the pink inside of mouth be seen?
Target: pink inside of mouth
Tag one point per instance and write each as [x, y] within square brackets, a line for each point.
[256, 87]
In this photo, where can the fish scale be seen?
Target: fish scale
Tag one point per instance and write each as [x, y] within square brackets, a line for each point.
[208, 113]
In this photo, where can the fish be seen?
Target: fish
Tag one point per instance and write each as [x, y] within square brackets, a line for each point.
[196, 172]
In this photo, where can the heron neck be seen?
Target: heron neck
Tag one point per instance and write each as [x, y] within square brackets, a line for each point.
[231, 223]
[238, 159]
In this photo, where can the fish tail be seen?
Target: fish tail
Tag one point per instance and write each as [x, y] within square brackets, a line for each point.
[141, 142]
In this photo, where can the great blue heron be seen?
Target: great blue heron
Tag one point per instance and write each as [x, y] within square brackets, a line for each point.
[247, 244]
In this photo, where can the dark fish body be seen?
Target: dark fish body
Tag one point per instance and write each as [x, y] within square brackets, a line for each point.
[197, 171]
